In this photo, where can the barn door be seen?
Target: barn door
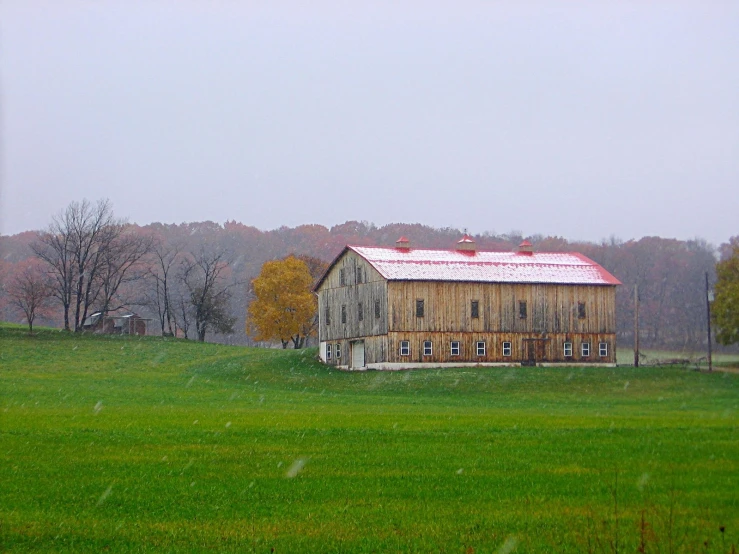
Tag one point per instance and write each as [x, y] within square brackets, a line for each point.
[534, 350]
[529, 350]
[541, 350]
[357, 354]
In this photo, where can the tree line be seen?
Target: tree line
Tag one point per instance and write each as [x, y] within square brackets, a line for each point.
[198, 279]
[90, 263]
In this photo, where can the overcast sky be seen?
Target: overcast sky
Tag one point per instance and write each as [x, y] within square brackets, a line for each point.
[578, 119]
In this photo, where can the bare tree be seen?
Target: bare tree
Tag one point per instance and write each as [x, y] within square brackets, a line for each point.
[202, 275]
[29, 291]
[89, 255]
[119, 265]
[92, 229]
[54, 247]
[161, 295]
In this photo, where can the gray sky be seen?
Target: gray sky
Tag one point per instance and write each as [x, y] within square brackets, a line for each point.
[579, 119]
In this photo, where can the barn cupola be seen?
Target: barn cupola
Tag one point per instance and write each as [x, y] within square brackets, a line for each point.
[526, 248]
[466, 244]
[403, 244]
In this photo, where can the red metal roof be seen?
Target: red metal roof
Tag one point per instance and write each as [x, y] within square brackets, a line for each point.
[417, 264]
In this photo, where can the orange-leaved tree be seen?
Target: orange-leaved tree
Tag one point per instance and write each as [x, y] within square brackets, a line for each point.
[284, 307]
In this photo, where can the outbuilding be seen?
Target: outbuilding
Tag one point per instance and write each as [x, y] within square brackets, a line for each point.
[119, 322]
[404, 307]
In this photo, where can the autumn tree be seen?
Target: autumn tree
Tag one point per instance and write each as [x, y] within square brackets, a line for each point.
[317, 268]
[29, 291]
[284, 307]
[725, 309]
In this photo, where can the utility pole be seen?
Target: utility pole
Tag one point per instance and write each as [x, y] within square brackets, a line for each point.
[636, 325]
[709, 297]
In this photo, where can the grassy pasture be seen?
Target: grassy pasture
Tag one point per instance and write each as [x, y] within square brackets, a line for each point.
[144, 444]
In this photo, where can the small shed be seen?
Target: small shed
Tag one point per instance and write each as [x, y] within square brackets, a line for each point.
[116, 323]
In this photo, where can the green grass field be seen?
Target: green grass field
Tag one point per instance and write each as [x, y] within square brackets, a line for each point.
[145, 444]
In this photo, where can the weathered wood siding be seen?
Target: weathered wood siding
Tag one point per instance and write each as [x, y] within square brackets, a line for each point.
[550, 308]
[332, 295]
[548, 348]
[375, 350]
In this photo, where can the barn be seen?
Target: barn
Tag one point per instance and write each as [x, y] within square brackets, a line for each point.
[402, 308]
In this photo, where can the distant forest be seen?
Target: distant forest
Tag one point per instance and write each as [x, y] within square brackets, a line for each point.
[670, 273]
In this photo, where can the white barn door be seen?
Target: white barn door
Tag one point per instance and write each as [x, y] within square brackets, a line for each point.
[357, 354]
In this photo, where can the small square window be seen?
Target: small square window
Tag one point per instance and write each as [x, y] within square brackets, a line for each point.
[581, 310]
[603, 349]
[480, 348]
[359, 275]
[338, 350]
[455, 348]
[360, 312]
[405, 348]
[427, 348]
[377, 309]
[419, 308]
[585, 349]
[475, 309]
[506, 348]
[328, 351]
[343, 314]
[568, 350]
[522, 312]
[342, 278]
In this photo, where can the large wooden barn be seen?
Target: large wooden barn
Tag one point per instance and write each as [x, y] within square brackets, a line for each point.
[403, 307]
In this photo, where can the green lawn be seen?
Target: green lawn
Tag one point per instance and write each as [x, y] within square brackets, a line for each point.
[145, 444]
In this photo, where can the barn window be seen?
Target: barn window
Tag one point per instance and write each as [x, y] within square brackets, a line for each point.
[585, 349]
[405, 348]
[475, 309]
[343, 314]
[342, 279]
[359, 275]
[581, 310]
[427, 348]
[419, 308]
[328, 352]
[480, 348]
[568, 350]
[506, 348]
[328, 316]
[338, 350]
[603, 349]
[522, 309]
[455, 348]
[360, 312]
[377, 309]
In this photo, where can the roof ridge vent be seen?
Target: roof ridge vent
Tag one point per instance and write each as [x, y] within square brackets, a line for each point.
[526, 248]
[466, 244]
[403, 244]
